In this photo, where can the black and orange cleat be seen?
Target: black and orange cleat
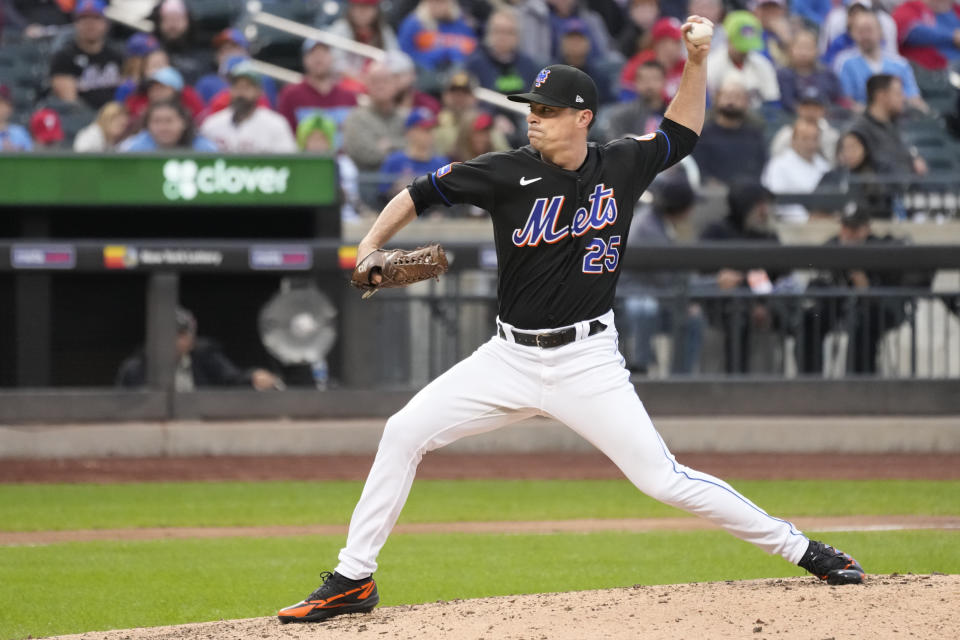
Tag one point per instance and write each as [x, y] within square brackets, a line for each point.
[336, 596]
[830, 564]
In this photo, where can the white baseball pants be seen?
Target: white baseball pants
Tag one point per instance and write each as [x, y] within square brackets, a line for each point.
[583, 385]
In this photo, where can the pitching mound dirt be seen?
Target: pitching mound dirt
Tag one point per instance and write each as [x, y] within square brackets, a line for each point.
[885, 607]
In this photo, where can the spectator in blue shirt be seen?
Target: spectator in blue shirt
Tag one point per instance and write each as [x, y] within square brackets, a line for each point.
[13, 137]
[869, 59]
[168, 127]
[436, 36]
[419, 157]
[804, 73]
[777, 30]
[813, 11]
[835, 37]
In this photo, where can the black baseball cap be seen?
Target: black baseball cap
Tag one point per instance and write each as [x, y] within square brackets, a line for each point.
[560, 85]
[855, 217]
[673, 194]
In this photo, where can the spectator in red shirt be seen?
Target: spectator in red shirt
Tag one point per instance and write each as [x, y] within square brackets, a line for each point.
[929, 32]
[667, 49]
[319, 91]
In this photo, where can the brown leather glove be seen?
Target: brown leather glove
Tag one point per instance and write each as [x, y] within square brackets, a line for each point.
[399, 268]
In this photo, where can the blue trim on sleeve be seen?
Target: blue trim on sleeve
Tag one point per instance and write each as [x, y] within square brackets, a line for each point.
[667, 138]
[433, 179]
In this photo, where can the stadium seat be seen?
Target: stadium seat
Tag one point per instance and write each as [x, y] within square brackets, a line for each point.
[941, 160]
[303, 11]
[211, 16]
[925, 132]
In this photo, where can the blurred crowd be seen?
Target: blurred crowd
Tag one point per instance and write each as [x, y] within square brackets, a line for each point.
[803, 94]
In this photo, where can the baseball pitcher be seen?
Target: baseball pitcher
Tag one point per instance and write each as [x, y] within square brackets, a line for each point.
[561, 211]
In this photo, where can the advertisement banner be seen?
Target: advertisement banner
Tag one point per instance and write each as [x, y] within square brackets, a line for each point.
[160, 179]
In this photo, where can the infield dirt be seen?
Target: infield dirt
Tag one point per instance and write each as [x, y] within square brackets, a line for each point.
[885, 607]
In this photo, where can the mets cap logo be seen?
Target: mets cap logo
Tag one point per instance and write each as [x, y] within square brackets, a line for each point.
[541, 77]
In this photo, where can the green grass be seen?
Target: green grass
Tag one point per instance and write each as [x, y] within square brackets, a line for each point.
[61, 507]
[77, 587]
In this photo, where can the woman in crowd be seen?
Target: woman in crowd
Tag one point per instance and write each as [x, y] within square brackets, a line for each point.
[854, 178]
[106, 132]
[362, 22]
[168, 126]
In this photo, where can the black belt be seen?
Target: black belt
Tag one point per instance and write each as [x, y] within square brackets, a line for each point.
[553, 338]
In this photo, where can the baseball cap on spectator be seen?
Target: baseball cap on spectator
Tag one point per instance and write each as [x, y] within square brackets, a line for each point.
[756, 3]
[234, 36]
[167, 76]
[461, 80]
[230, 63]
[186, 321]
[812, 94]
[482, 122]
[673, 194]
[46, 127]
[854, 217]
[858, 5]
[245, 69]
[5, 93]
[89, 8]
[574, 25]
[743, 31]
[316, 122]
[141, 44]
[398, 62]
[666, 28]
[173, 6]
[310, 44]
[421, 118]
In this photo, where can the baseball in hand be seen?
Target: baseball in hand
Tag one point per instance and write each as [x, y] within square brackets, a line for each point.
[700, 33]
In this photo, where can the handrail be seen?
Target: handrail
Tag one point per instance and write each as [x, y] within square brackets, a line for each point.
[279, 23]
[244, 256]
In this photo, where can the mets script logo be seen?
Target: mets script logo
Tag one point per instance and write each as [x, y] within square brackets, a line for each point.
[542, 222]
[541, 77]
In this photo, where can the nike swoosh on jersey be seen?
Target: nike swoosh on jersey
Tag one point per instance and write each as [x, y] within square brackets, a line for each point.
[524, 182]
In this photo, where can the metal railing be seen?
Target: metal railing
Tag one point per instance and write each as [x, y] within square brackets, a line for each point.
[902, 333]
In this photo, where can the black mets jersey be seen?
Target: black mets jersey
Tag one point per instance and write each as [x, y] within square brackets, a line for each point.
[559, 234]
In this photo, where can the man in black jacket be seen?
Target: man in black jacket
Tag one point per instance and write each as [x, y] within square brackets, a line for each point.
[749, 219]
[864, 318]
[200, 363]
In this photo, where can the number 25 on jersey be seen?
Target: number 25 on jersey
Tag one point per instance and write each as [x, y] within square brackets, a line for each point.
[602, 254]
